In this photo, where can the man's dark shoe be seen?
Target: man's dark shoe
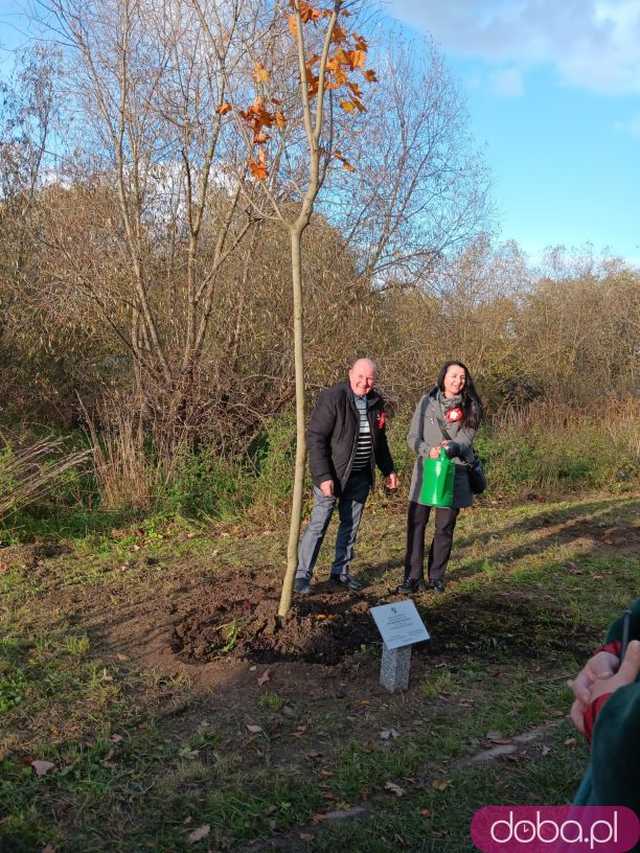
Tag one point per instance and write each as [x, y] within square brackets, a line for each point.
[437, 586]
[410, 586]
[302, 586]
[346, 581]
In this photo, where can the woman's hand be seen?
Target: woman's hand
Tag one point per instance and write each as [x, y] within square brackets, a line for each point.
[434, 453]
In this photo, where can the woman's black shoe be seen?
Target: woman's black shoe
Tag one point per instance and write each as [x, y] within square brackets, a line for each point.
[408, 587]
[437, 586]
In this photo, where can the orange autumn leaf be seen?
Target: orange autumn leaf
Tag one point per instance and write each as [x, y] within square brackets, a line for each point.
[260, 73]
[357, 58]
[338, 35]
[260, 138]
[340, 57]
[361, 44]
[357, 91]
[347, 106]
[258, 168]
[281, 121]
[293, 25]
[257, 116]
[359, 105]
[370, 76]
[309, 12]
[224, 108]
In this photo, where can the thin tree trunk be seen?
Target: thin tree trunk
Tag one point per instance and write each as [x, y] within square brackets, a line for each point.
[301, 446]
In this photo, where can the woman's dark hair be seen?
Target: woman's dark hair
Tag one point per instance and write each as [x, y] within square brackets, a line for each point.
[471, 402]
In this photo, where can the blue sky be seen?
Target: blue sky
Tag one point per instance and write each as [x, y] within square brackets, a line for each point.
[553, 92]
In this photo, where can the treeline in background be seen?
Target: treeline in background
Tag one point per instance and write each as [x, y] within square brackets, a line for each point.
[145, 285]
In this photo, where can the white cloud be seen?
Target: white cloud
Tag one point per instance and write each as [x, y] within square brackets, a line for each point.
[592, 44]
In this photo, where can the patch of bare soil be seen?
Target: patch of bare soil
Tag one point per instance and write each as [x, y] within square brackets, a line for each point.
[236, 619]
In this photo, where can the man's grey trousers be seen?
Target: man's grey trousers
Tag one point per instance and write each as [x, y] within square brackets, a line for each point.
[350, 506]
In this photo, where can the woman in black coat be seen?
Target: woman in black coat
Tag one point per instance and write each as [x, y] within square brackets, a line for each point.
[447, 416]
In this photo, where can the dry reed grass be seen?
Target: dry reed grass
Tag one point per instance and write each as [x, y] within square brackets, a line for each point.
[27, 474]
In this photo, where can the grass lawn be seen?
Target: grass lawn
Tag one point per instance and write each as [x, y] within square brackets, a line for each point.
[146, 750]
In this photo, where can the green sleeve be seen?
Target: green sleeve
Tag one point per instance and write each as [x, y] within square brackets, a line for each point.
[615, 750]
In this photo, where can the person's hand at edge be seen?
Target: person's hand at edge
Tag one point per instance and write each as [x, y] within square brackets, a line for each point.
[626, 674]
[601, 667]
[326, 487]
[391, 481]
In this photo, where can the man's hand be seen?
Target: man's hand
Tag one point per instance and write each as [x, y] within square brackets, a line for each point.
[326, 487]
[392, 481]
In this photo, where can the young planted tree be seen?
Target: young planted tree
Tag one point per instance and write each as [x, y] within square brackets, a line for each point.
[307, 67]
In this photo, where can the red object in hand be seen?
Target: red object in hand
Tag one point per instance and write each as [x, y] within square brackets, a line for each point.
[380, 420]
[454, 415]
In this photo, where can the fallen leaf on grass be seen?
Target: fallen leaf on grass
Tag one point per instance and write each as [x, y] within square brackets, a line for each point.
[440, 784]
[546, 750]
[318, 818]
[389, 734]
[266, 676]
[425, 812]
[570, 741]
[42, 767]
[254, 729]
[305, 836]
[396, 789]
[198, 834]
[116, 738]
[48, 849]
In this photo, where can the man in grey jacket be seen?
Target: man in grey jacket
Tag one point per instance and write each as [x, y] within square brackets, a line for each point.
[346, 440]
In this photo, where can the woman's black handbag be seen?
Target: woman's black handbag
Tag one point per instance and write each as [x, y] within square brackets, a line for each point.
[477, 479]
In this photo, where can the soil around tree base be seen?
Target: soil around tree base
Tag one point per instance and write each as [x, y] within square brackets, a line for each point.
[235, 619]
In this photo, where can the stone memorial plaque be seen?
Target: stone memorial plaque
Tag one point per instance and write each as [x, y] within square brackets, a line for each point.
[399, 624]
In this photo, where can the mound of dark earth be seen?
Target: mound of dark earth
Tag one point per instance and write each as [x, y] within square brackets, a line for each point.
[236, 618]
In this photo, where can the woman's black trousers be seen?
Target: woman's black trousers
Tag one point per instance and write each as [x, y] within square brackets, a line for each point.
[440, 549]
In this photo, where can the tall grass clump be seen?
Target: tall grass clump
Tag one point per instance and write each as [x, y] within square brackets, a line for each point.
[125, 474]
[32, 472]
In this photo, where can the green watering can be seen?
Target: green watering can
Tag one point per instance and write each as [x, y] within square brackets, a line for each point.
[438, 476]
